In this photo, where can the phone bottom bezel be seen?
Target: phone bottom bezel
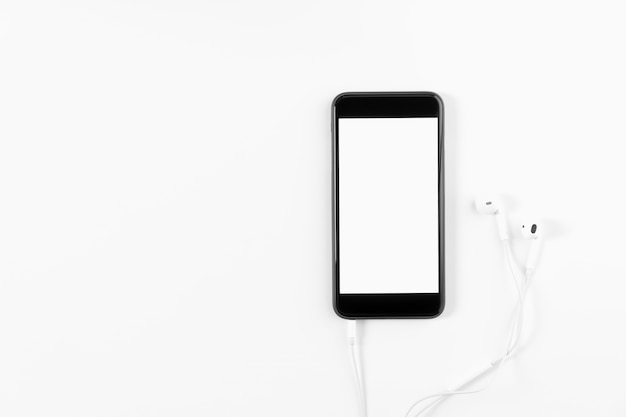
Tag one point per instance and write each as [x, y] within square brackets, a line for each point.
[371, 306]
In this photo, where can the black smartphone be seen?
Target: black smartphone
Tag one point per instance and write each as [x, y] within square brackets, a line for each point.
[388, 205]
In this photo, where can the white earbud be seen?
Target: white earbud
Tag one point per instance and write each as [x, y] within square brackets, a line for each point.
[492, 206]
[533, 231]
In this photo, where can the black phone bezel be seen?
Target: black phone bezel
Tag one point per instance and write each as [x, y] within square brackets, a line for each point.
[387, 104]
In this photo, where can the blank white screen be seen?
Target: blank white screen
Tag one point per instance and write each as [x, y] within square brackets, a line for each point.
[388, 205]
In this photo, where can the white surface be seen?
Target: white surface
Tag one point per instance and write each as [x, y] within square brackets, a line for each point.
[166, 252]
[388, 205]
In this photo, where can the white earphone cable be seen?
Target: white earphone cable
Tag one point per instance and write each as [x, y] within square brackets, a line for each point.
[514, 335]
[512, 341]
[353, 342]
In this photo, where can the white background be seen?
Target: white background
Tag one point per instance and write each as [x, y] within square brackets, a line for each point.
[165, 212]
[388, 205]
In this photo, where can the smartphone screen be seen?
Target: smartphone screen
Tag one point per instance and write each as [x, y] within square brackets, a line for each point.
[388, 205]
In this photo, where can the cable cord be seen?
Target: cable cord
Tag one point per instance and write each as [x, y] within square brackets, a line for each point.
[353, 343]
[511, 344]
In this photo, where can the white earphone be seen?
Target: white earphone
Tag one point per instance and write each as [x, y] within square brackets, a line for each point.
[534, 232]
[493, 206]
[530, 230]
